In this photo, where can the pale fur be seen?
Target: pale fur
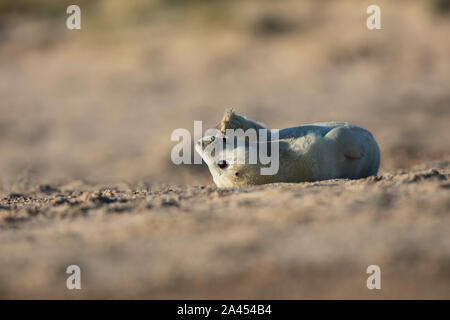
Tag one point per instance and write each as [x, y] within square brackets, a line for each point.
[318, 151]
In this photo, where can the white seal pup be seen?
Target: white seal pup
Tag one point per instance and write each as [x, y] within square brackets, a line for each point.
[318, 151]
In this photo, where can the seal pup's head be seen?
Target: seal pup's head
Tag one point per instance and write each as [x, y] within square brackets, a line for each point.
[228, 160]
[233, 158]
[233, 161]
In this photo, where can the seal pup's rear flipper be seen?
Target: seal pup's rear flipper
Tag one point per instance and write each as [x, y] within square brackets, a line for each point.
[351, 141]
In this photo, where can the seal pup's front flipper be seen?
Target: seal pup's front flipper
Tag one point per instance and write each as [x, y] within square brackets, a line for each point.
[231, 120]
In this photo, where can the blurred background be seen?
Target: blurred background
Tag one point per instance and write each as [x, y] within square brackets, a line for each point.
[99, 104]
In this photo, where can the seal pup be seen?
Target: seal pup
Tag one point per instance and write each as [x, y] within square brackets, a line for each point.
[312, 152]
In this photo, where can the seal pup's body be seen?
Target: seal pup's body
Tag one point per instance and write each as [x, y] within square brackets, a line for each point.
[318, 151]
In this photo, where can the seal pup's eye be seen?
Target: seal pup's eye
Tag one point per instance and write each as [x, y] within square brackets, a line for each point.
[222, 164]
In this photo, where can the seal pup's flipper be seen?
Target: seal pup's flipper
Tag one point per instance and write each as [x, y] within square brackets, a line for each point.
[351, 141]
[231, 120]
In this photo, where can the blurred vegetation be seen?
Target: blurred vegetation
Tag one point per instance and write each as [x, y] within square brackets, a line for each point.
[442, 6]
[49, 8]
[41, 8]
[118, 13]
[137, 10]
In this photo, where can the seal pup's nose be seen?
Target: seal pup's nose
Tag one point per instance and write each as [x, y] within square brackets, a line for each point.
[205, 141]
